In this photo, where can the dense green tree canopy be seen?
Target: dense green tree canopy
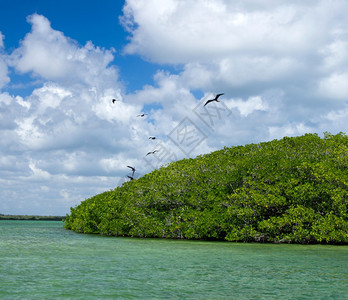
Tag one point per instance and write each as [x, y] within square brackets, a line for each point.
[289, 190]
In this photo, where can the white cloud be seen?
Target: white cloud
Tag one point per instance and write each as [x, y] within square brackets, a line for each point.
[247, 107]
[2, 37]
[246, 48]
[289, 129]
[266, 44]
[37, 173]
[4, 79]
[23, 103]
[196, 30]
[5, 99]
[53, 56]
[335, 55]
[335, 119]
[335, 86]
[282, 72]
[119, 112]
[59, 136]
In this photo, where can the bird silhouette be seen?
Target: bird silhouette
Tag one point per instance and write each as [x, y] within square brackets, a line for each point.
[130, 177]
[114, 100]
[133, 170]
[152, 138]
[215, 99]
[142, 115]
[151, 152]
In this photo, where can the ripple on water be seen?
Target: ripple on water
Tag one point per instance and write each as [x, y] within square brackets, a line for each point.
[39, 259]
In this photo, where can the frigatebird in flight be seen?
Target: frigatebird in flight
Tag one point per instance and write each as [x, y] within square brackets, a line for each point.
[215, 99]
[151, 152]
[142, 115]
[114, 100]
[152, 138]
[133, 169]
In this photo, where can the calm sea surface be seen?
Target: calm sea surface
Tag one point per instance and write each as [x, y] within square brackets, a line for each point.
[42, 260]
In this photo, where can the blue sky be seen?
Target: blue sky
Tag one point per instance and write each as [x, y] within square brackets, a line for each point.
[282, 66]
[83, 21]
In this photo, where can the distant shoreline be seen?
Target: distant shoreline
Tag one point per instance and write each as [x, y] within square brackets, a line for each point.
[31, 217]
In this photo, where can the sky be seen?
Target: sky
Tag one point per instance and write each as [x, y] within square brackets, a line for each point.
[282, 67]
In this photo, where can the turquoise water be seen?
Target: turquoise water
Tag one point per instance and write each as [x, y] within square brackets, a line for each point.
[42, 260]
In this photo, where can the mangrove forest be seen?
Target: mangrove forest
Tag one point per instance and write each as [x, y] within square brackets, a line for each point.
[292, 190]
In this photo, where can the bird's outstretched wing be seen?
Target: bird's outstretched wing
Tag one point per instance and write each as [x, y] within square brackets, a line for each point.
[215, 99]
[211, 100]
[151, 152]
[218, 95]
[133, 169]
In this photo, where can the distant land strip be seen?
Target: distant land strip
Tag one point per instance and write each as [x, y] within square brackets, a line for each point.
[29, 217]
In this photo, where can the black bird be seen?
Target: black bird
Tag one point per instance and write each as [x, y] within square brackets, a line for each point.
[130, 177]
[133, 170]
[142, 115]
[114, 100]
[152, 138]
[151, 152]
[215, 99]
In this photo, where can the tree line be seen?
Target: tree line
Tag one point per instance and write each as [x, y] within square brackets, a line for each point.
[292, 190]
[31, 217]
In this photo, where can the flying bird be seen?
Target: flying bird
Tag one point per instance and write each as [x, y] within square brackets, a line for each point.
[130, 177]
[133, 169]
[152, 138]
[215, 99]
[142, 115]
[151, 152]
[114, 100]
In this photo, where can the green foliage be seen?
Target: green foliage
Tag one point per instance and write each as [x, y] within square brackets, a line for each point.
[293, 190]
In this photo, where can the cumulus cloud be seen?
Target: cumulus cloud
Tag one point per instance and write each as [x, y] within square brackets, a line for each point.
[247, 107]
[61, 136]
[289, 129]
[281, 70]
[282, 66]
[335, 54]
[68, 137]
[4, 79]
[246, 48]
[37, 173]
[48, 53]
[242, 44]
[335, 86]
[184, 31]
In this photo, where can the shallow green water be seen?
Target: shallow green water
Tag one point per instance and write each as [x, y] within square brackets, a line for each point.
[41, 260]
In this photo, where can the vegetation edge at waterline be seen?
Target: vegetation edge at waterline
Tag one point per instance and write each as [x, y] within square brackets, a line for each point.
[292, 190]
